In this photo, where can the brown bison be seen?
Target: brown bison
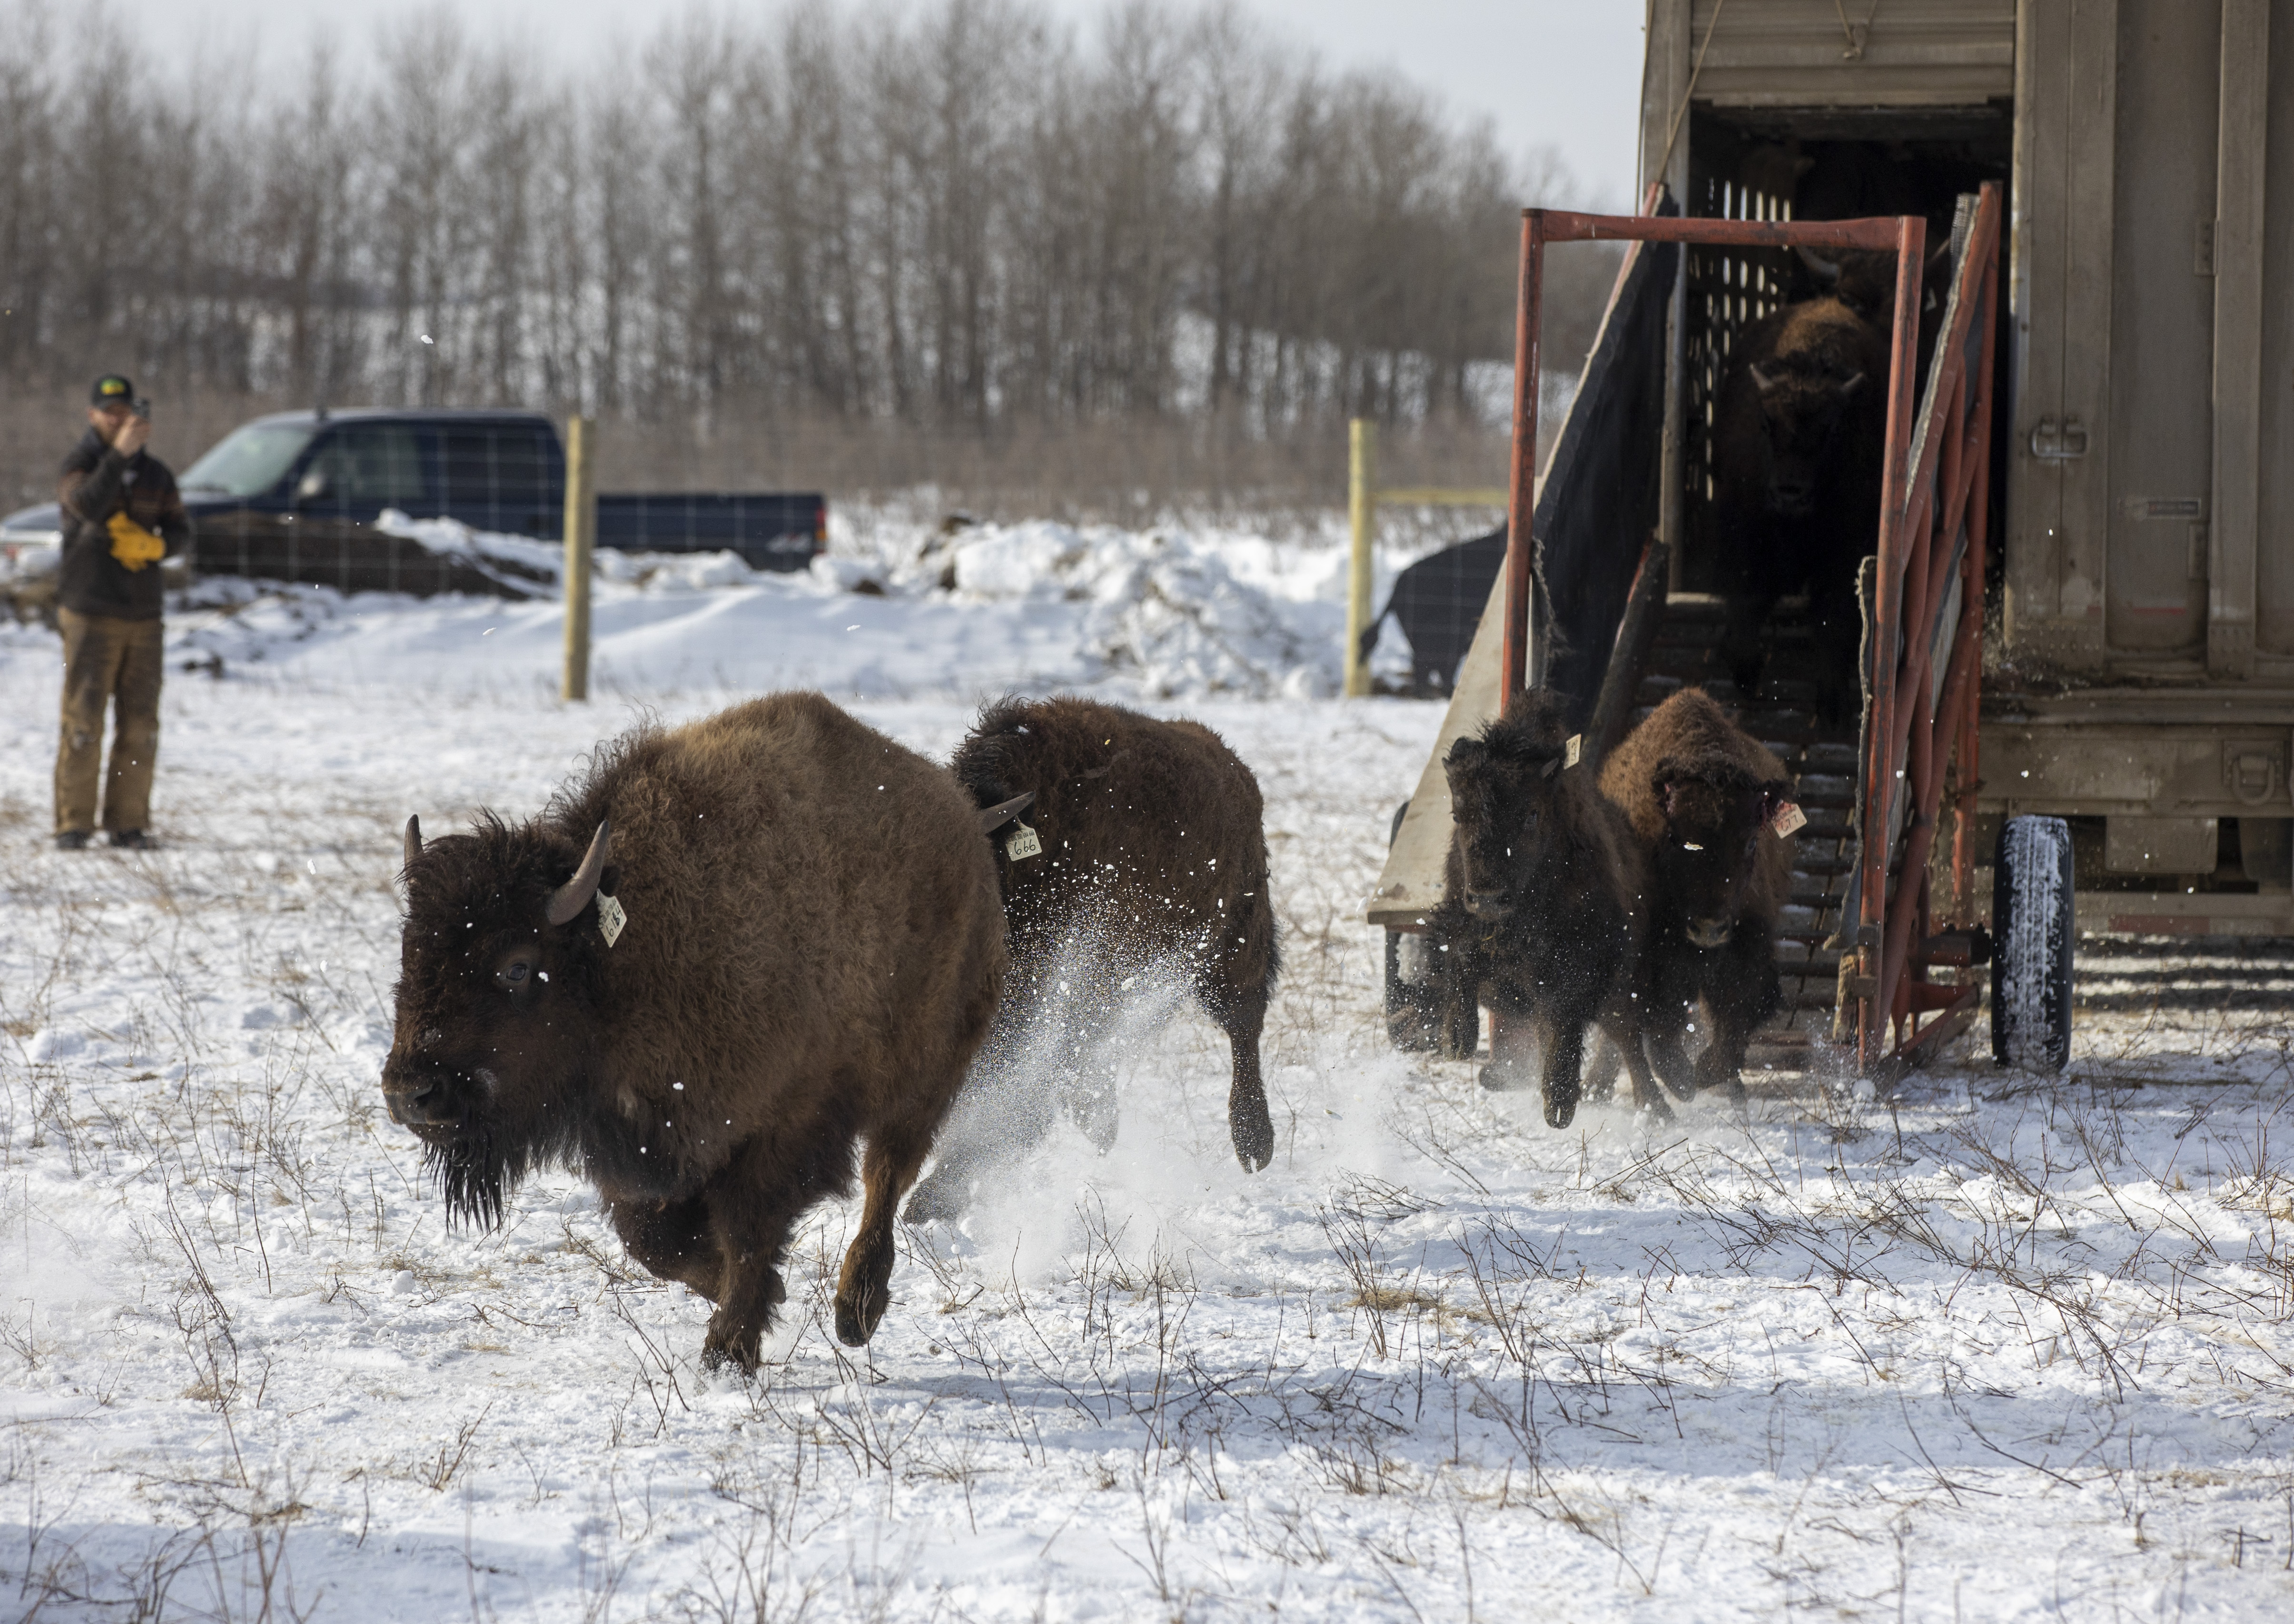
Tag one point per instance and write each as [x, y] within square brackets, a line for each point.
[1544, 909]
[1152, 854]
[1798, 440]
[1703, 797]
[712, 964]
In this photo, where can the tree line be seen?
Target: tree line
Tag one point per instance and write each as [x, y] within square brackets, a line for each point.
[962, 215]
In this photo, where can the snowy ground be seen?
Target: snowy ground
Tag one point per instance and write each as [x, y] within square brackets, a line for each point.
[2013, 1350]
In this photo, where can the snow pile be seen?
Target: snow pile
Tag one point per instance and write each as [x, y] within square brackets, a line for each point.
[914, 611]
[525, 560]
[519, 557]
[897, 608]
[1166, 609]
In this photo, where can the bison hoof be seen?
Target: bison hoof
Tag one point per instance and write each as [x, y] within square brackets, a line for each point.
[1254, 1138]
[1561, 1109]
[738, 1349]
[858, 1313]
[1498, 1079]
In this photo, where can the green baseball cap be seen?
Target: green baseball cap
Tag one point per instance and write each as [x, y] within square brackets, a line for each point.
[111, 390]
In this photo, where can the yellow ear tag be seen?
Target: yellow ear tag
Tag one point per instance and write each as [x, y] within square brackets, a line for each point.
[132, 545]
[1023, 843]
[1569, 750]
[1789, 818]
[611, 917]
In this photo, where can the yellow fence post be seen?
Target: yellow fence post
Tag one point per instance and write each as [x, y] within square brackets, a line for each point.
[580, 547]
[1362, 514]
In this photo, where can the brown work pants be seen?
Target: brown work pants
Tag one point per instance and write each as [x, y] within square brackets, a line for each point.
[115, 662]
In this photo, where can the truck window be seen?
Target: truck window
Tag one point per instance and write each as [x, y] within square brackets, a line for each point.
[371, 465]
[502, 477]
[249, 460]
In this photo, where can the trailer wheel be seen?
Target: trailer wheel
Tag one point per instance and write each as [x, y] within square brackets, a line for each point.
[2031, 930]
[1413, 1020]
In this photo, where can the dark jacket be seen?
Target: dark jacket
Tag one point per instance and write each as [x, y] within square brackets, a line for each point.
[97, 482]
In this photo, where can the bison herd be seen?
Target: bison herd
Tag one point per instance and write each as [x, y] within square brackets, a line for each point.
[732, 951]
[1632, 904]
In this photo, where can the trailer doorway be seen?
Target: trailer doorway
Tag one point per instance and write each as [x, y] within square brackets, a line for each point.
[1809, 164]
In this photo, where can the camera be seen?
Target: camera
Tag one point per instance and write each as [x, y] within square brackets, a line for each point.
[141, 408]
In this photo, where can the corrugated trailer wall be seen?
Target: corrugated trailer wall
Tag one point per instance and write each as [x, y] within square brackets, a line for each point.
[2162, 325]
[2274, 542]
[2153, 373]
[1817, 53]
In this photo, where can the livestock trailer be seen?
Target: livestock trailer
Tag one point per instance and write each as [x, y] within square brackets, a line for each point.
[2082, 604]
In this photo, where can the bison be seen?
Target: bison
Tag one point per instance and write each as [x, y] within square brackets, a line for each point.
[1152, 852]
[1544, 907]
[1703, 795]
[1439, 601]
[708, 966]
[1798, 440]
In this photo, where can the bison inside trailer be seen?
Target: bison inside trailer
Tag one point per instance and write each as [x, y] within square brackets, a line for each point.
[2097, 547]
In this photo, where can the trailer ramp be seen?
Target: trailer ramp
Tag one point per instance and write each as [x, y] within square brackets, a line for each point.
[1873, 881]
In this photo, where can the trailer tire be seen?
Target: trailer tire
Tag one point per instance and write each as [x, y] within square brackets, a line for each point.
[1414, 1015]
[2032, 928]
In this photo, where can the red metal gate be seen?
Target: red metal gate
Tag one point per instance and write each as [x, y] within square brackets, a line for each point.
[1927, 610]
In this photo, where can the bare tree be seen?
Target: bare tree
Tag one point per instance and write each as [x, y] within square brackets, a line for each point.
[938, 227]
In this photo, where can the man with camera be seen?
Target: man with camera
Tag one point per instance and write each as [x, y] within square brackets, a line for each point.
[121, 516]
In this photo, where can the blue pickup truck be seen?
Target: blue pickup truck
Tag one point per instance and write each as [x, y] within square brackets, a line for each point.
[294, 497]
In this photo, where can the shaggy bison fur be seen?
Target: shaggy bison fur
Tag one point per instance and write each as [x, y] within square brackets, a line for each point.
[813, 950]
[1544, 908]
[1154, 854]
[1702, 795]
[1798, 440]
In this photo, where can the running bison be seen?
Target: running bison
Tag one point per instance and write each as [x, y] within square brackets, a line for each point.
[1702, 796]
[1797, 446]
[712, 964]
[1152, 854]
[1545, 907]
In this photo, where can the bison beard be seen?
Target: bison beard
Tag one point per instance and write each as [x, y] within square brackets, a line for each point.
[474, 1176]
[474, 1171]
[812, 952]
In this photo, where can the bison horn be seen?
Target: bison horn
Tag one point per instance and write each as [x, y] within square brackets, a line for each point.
[1825, 270]
[1760, 379]
[413, 839]
[571, 898]
[1851, 386]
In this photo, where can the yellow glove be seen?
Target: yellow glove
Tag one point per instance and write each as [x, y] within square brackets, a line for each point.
[132, 545]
